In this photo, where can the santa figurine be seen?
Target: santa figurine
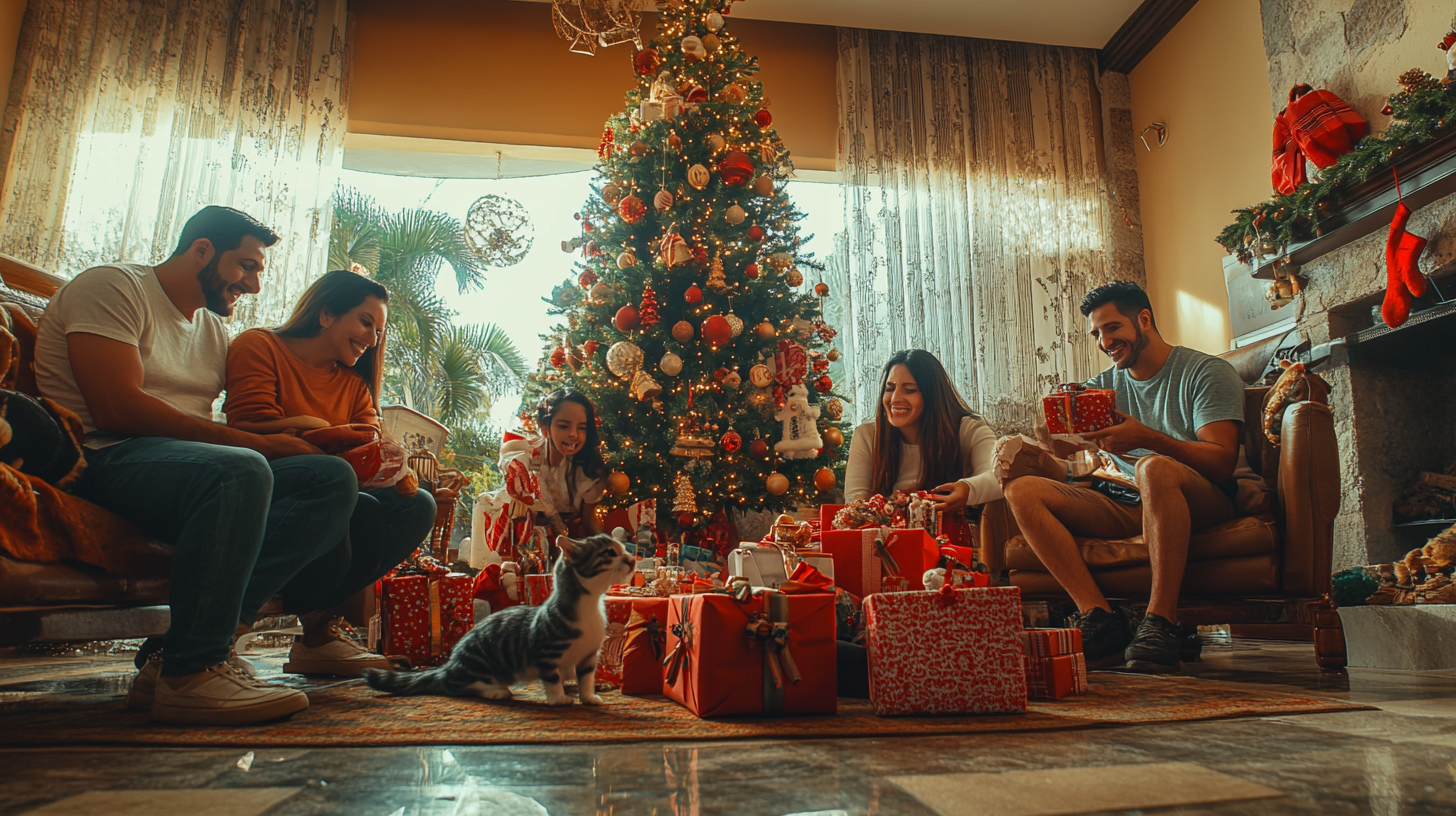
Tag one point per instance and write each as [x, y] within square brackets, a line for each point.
[801, 430]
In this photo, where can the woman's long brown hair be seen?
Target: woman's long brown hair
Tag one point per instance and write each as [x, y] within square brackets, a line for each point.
[337, 293]
[941, 460]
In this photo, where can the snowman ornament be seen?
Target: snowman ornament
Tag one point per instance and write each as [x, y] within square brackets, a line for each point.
[801, 431]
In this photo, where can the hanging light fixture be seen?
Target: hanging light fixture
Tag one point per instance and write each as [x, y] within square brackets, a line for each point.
[589, 23]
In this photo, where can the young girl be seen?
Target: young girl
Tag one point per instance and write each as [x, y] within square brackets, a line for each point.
[552, 481]
[923, 437]
[320, 370]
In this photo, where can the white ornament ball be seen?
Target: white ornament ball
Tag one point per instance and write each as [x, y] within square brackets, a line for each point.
[735, 215]
[692, 47]
[698, 176]
[735, 325]
[624, 358]
[715, 21]
[716, 142]
[671, 364]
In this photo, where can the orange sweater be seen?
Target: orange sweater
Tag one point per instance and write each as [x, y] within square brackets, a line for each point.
[266, 381]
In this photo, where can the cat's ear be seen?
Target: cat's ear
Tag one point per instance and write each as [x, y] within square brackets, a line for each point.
[567, 546]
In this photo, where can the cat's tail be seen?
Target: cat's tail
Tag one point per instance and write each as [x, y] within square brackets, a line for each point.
[407, 683]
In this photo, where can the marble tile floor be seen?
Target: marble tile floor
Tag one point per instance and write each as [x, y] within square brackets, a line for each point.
[1399, 760]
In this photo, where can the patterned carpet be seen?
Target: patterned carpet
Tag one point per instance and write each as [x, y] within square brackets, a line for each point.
[350, 714]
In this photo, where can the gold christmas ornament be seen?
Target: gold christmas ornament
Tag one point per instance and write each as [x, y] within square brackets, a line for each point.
[618, 483]
[735, 325]
[698, 176]
[833, 354]
[663, 200]
[682, 331]
[824, 479]
[734, 215]
[834, 409]
[602, 295]
[776, 484]
[692, 48]
[821, 289]
[716, 142]
[795, 277]
[733, 93]
[710, 42]
[766, 330]
[624, 358]
[612, 194]
[639, 149]
[832, 437]
[714, 21]
[760, 376]
[717, 282]
[780, 261]
[763, 186]
[671, 364]
[626, 260]
[644, 387]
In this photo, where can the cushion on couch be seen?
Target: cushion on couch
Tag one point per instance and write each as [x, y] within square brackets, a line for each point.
[1241, 537]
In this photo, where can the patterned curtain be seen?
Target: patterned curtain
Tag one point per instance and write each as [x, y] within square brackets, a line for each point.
[976, 214]
[127, 116]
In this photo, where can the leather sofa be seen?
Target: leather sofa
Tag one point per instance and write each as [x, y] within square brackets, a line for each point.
[1265, 568]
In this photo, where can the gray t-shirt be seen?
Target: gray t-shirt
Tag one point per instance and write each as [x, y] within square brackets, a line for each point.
[184, 360]
[1191, 390]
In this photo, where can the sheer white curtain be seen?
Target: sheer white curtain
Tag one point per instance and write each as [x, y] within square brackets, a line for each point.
[976, 214]
[127, 116]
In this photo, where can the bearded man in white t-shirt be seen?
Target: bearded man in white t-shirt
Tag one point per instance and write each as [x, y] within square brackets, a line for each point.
[140, 354]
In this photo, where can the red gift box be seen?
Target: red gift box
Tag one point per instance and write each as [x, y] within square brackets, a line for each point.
[1076, 409]
[770, 654]
[954, 652]
[609, 658]
[1052, 678]
[860, 570]
[423, 617]
[645, 648]
[1051, 642]
[538, 589]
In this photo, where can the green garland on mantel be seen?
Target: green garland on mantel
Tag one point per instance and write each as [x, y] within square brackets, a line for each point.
[1421, 112]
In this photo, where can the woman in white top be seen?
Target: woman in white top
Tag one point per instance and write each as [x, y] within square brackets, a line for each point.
[924, 437]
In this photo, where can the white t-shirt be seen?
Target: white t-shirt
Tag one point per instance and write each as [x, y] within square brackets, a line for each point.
[978, 448]
[184, 361]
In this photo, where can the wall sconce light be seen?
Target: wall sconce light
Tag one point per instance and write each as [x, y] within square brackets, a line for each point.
[1159, 128]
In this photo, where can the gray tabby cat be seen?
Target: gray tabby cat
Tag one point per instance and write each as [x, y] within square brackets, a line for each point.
[554, 642]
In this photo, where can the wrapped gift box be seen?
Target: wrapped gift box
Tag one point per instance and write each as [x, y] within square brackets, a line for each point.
[1052, 678]
[823, 562]
[759, 566]
[422, 617]
[954, 652]
[538, 589]
[1051, 642]
[645, 646]
[773, 653]
[609, 659]
[861, 571]
[1075, 409]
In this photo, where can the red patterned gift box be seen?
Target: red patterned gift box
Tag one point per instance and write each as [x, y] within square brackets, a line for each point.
[423, 617]
[1076, 409]
[1052, 678]
[538, 589]
[860, 569]
[646, 647]
[773, 653]
[1051, 642]
[609, 658]
[954, 652]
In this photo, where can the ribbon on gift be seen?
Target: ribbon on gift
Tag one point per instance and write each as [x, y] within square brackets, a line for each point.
[771, 629]
[679, 658]
[435, 639]
[652, 628]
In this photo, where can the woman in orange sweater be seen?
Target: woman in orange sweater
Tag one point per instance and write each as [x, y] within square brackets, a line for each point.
[318, 371]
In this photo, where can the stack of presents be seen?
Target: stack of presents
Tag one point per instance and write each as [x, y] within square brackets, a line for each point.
[757, 629]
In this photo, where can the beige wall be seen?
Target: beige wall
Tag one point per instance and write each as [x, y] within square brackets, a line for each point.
[1208, 80]
[495, 71]
[11, 13]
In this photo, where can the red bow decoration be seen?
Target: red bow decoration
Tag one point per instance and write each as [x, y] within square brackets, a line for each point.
[807, 580]
[774, 636]
[679, 659]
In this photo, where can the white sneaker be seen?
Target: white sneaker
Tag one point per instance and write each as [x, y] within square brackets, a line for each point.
[144, 686]
[222, 695]
[342, 656]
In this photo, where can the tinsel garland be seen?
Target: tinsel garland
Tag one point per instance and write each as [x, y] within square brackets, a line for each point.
[1421, 112]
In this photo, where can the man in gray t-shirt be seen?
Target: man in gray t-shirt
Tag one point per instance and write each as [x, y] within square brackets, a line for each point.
[1178, 439]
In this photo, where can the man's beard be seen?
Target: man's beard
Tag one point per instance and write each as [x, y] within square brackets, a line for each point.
[1138, 344]
[214, 290]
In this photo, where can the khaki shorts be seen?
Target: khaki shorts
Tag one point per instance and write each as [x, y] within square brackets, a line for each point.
[1090, 514]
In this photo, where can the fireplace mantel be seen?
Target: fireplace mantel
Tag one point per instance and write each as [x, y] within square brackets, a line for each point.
[1427, 174]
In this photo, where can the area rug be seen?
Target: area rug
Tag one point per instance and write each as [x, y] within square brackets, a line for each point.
[349, 714]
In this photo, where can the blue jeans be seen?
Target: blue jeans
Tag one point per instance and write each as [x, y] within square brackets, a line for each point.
[242, 528]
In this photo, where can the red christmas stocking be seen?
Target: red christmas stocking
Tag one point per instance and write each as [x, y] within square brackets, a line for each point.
[1404, 281]
[1407, 260]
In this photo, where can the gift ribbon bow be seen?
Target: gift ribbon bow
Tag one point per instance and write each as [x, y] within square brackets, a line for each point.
[773, 636]
[882, 549]
[679, 658]
[652, 627]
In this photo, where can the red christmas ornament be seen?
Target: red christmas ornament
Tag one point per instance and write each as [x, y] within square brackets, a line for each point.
[558, 358]
[649, 316]
[755, 233]
[731, 442]
[697, 95]
[686, 520]
[820, 366]
[763, 118]
[823, 385]
[590, 347]
[631, 209]
[751, 271]
[759, 449]
[587, 279]
[627, 318]
[721, 374]
[736, 168]
[587, 226]
[646, 62]
[717, 331]
[693, 294]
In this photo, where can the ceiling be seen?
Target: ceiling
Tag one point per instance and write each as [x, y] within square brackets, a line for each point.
[1085, 23]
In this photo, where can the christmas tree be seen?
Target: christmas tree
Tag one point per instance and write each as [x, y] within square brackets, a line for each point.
[689, 324]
